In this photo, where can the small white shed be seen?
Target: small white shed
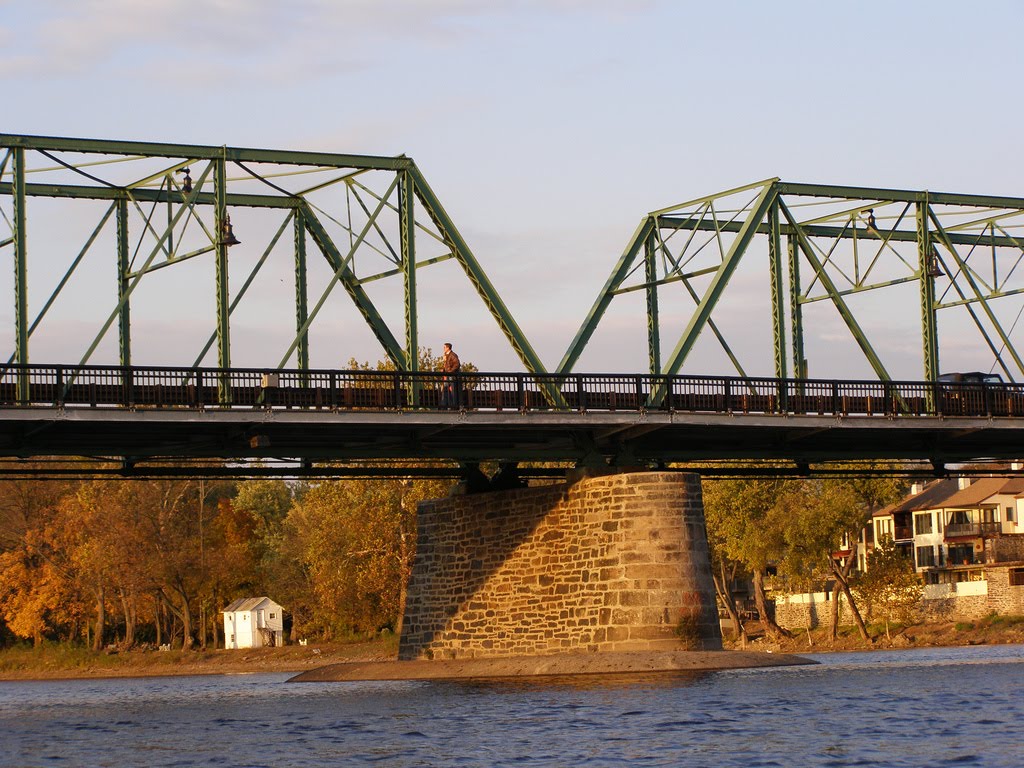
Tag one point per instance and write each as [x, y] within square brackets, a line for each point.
[253, 622]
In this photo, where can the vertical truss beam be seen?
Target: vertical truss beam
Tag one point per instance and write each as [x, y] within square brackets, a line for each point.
[836, 296]
[301, 295]
[619, 273]
[476, 275]
[407, 236]
[796, 310]
[20, 259]
[20, 271]
[407, 229]
[124, 326]
[926, 272]
[777, 290]
[653, 330]
[220, 224]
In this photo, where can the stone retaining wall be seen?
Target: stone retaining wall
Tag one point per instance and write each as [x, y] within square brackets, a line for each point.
[612, 563]
[965, 601]
[812, 610]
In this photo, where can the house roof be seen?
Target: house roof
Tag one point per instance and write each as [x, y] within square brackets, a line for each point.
[946, 493]
[248, 604]
[982, 489]
[933, 496]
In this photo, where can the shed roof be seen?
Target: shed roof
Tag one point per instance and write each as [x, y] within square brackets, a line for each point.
[248, 604]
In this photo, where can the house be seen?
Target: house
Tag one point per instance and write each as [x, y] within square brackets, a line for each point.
[964, 537]
[951, 527]
[253, 622]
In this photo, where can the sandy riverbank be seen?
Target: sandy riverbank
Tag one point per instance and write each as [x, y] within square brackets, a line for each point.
[57, 662]
[560, 664]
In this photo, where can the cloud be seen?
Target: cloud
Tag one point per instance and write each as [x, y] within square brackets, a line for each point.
[315, 37]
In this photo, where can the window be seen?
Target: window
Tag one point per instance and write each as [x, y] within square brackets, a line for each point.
[926, 557]
[1009, 514]
[960, 517]
[883, 528]
[271, 615]
[961, 554]
[923, 523]
[1017, 577]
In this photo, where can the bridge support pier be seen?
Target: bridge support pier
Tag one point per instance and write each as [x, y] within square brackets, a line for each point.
[610, 563]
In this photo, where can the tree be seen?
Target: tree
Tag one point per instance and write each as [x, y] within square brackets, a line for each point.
[742, 529]
[355, 540]
[890, 585]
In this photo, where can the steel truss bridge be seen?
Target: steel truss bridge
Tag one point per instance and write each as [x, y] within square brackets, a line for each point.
[400, 423]
[366, 221]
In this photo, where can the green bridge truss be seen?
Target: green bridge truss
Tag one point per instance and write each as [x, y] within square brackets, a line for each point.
[371, 218]
[826, 244]
[158, 205]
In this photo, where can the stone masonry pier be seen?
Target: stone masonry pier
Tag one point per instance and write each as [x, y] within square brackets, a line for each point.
[607, 564]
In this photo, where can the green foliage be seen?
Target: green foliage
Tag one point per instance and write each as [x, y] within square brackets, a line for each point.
[116, 561]
[890, 586]
[355, 540]
[688, 631]
[794, 524]
[428, 361]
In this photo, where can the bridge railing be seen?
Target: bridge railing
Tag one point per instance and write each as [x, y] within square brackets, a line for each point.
[60, 386]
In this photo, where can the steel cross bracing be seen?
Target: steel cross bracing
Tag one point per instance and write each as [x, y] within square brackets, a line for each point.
[158, 206]
[827, 244]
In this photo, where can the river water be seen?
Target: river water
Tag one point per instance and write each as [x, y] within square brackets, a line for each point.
[932, 707]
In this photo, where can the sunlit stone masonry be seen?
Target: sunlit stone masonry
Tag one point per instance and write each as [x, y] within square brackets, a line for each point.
[609, 563]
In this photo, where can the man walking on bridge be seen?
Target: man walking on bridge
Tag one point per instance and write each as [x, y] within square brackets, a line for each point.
[450, 365]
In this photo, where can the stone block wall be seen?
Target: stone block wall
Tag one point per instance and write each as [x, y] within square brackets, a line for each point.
[940, 602]
[611, 563]
[796, 612]
[1003, 597]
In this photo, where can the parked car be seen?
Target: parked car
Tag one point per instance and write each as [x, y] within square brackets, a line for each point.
[971, 377]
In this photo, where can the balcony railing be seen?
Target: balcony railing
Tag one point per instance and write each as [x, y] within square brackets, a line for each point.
[955, 530]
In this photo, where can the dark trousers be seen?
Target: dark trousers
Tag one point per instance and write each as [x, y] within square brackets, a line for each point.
[450, 392]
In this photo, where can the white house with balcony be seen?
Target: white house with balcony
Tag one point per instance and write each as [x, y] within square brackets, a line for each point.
[964, 537]
[253, 622]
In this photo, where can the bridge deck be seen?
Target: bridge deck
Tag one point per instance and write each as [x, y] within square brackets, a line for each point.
[141, 413]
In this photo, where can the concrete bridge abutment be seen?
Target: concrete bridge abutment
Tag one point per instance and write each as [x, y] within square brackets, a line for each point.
[610, 563]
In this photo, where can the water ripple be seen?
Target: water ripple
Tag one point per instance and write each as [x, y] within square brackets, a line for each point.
[934, 707]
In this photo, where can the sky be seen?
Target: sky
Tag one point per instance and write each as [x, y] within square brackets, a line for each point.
[548, 128]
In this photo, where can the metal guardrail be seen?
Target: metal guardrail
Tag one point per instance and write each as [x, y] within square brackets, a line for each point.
[93, 386]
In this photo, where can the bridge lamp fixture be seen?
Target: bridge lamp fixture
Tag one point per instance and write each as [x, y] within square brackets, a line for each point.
[186, 183]
[227, 234]
[934, 267]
